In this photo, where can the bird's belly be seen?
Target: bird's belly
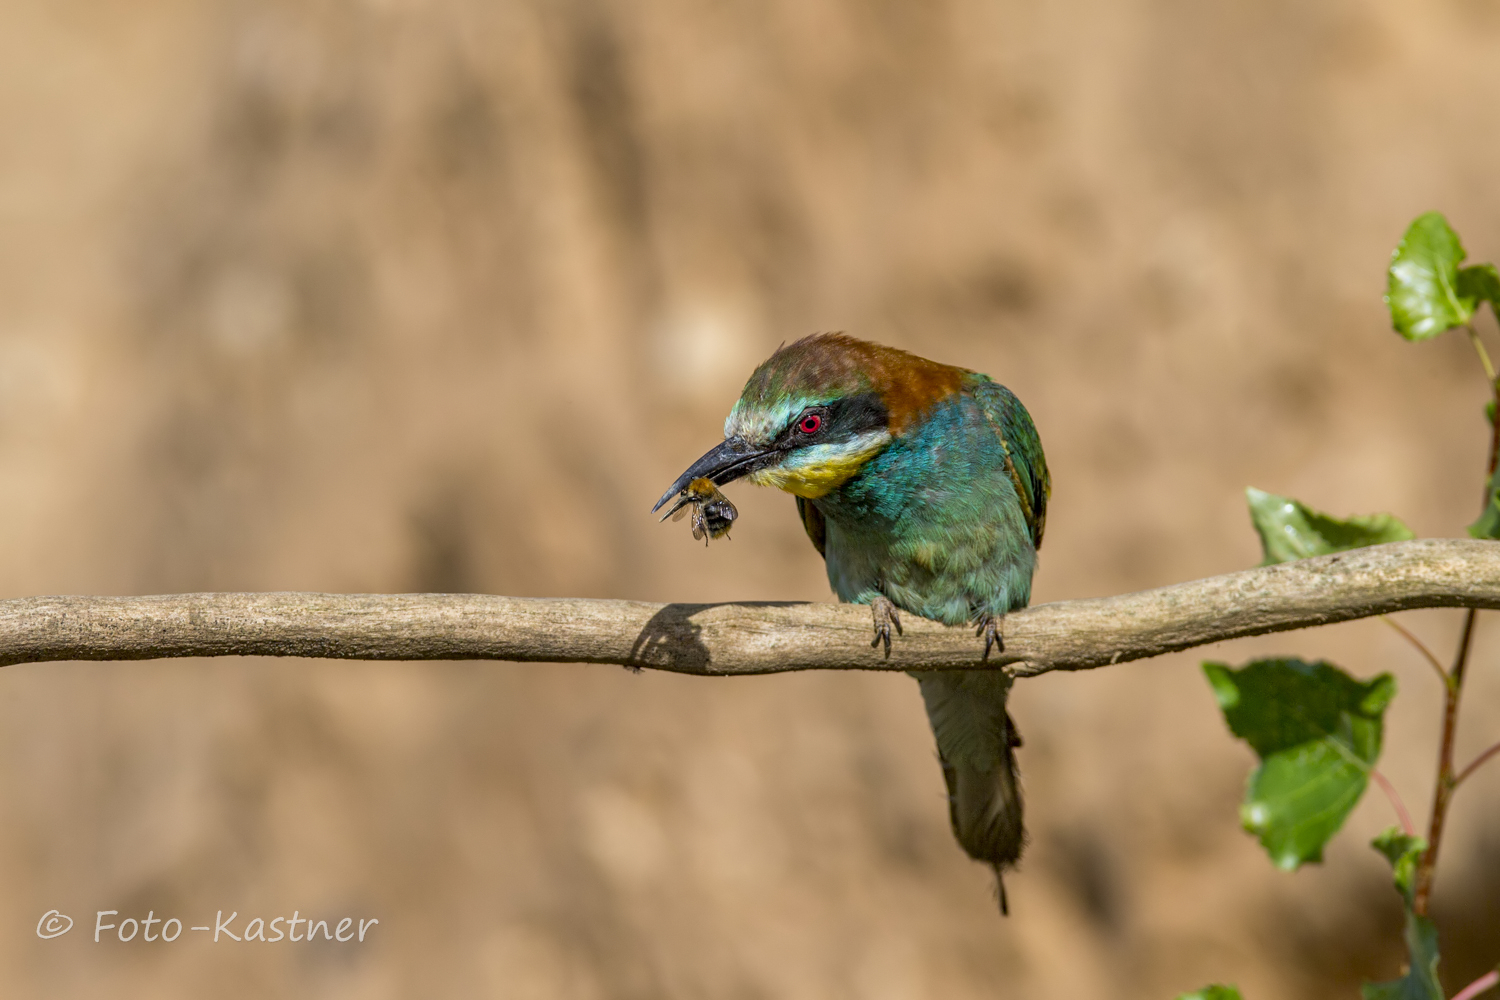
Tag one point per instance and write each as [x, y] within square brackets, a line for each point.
[952, 576]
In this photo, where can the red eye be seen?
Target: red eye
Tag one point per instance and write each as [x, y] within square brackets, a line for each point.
[810, 424]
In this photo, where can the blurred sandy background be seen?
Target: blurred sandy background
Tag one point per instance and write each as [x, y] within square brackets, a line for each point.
[395, 296]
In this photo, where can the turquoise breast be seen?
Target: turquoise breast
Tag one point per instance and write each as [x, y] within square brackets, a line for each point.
[933, 522]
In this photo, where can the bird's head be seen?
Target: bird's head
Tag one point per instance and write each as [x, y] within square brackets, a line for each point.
[817, 410]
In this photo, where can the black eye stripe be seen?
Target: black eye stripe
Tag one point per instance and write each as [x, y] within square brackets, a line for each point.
[841, 420]
[858, 414]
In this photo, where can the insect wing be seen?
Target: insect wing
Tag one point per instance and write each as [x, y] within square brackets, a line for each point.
[712, 512]
[719, 514]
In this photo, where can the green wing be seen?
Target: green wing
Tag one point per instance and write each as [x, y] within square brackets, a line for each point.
[1024, 461]
[814, 525]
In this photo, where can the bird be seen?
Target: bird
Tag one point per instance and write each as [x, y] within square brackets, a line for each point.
[924, 487]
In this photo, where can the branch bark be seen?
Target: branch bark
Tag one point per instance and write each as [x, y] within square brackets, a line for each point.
[750, 637]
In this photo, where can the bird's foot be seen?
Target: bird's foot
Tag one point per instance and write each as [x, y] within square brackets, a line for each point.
[989, 627]
[883, 610]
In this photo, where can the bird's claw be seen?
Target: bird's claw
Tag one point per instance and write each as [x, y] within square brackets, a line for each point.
[989, 627]
[883, 610]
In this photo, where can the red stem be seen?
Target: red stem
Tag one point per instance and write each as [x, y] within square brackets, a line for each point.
[1445, 783]
[1487, 981]
[1474, 764]
[1421, 646]
[1453, 689]
[1407, 826]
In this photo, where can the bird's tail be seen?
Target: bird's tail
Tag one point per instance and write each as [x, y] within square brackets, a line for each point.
[976, 743]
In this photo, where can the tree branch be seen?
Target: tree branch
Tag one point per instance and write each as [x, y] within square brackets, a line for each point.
[750, 637]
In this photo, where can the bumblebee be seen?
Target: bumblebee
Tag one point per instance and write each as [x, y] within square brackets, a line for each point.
[713, 514]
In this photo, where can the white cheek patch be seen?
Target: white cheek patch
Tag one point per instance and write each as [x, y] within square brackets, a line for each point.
[837, 456]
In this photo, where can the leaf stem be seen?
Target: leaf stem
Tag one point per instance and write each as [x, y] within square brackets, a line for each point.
[1489, 371]
[1474, 764]
[1445, 782]
[1484, 356]
[1421, 646]
[1488, 981]
[1407, 826]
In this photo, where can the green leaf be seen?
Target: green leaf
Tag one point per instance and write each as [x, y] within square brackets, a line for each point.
[1422, 283]
[1488, 525]
[1421, 979]
[1420, 982]
[1403, 851]
[1480, 283]
[1214, 992]
[1289, 529]
[1317, 732]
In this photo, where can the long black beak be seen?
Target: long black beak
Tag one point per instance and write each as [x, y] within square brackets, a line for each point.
[723, 464]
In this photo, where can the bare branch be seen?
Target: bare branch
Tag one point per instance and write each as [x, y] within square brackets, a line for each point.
[750, 638]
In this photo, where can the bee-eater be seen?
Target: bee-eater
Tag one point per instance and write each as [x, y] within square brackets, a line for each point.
[925, 489]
